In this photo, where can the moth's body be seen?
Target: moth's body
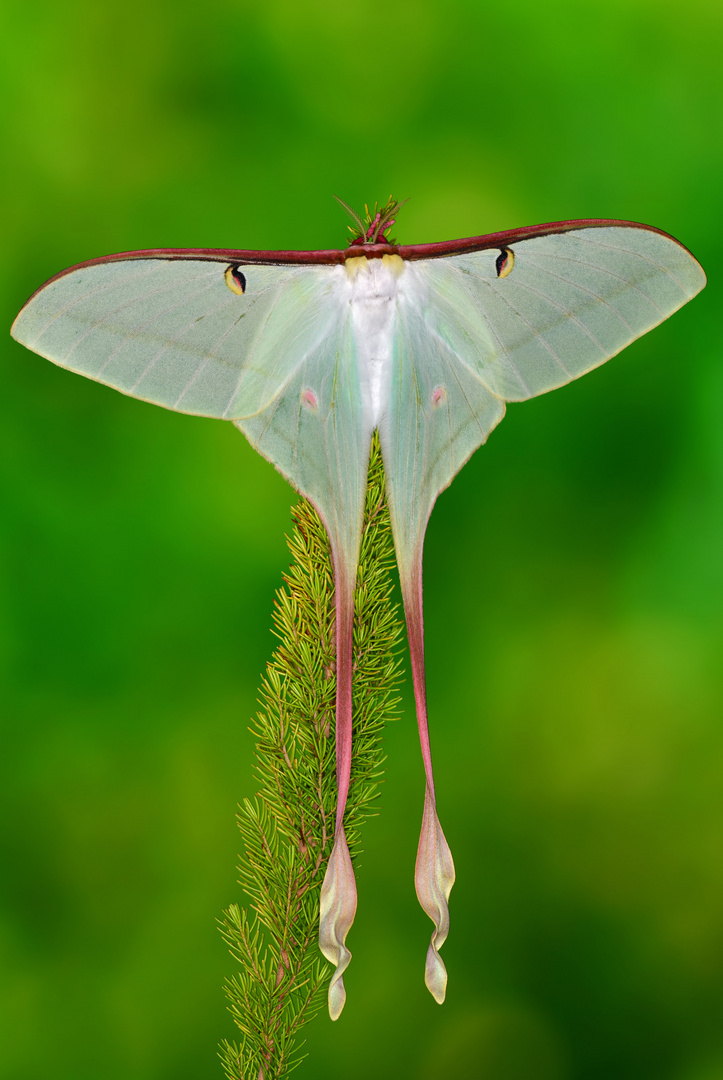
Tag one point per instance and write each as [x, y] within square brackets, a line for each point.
[373, 286]
[308, 352]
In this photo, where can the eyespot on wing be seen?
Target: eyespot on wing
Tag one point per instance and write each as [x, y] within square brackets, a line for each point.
[235, 280]
[504, 262]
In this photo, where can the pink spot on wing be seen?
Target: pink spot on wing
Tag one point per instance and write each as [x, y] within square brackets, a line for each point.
[309, 399]
[439, 395]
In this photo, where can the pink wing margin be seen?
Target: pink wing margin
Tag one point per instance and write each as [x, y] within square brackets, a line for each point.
[371, 251]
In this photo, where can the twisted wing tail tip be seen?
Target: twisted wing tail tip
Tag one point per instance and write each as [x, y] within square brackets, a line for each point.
[435, 974]
[337, 993]
[337, 909]
[434, 879]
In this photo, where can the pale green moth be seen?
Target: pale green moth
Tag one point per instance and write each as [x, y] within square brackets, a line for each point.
[308, 352]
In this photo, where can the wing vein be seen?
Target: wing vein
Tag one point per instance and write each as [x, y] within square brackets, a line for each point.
[92, 292]
[638, 255]
[137, 329]
[582, 288]
[605, 270]
[493, 330]
[568, 314]
[171, 341]
[536, 333]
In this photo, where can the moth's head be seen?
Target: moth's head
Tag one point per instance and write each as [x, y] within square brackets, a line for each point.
[371, 227]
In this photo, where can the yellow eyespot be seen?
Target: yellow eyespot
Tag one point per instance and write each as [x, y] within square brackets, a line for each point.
[235, 280]
[504, 262]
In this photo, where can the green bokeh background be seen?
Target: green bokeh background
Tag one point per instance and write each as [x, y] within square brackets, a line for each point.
[573, 571]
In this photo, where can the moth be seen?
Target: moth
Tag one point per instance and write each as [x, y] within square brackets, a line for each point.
[309, 352]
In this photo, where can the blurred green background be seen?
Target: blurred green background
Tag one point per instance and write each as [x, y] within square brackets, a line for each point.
[573, 571]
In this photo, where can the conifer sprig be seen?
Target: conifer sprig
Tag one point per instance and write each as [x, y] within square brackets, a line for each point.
[287, 829]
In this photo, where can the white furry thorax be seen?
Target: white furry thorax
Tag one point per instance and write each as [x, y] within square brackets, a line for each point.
[373, 289]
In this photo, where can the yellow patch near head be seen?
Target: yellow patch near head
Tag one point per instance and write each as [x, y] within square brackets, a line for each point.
[395, 263]
[355, 266]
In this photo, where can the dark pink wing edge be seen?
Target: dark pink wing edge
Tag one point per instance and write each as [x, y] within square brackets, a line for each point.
[512, 236]
[370, 251]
